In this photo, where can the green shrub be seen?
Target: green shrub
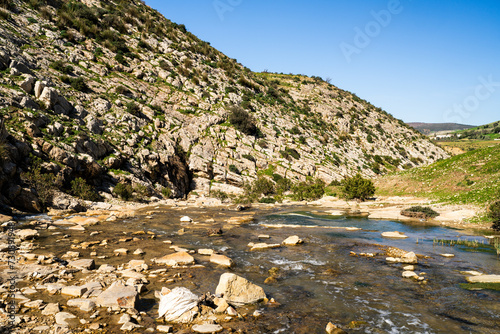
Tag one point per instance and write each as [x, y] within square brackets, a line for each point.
[166, 192]
[420, 212]
[263, 186]
[123, 190]
[243, 121]
[132, 108]
[290, 152]
[262, 143]
[79, 84]
[309, 190]
[219, 195]
[4, 15]
[267, 200]
[141, 192]
[494, 214]
[357, 187]
[234, 169]
[81, 189]
[283, 185]
[249, 157]
[43, 184]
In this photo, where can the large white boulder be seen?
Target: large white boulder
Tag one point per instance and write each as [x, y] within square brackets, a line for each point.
[239, 291]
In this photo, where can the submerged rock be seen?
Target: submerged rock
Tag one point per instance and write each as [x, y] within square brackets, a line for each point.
[239, 291]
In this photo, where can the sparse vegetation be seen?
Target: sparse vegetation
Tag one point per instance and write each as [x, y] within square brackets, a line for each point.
[421, 212]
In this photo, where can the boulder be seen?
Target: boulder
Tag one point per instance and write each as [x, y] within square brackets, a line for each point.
[221, 260]
[118, 295]
[186, 219]
[88, 264]
[49, 97]
[292, 241]
[176, 259]
[239, 291]
[178, 305]
[28, 84]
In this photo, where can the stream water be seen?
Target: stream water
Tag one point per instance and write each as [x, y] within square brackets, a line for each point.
[319, 281]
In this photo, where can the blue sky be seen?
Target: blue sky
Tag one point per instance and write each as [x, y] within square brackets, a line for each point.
[428, 61]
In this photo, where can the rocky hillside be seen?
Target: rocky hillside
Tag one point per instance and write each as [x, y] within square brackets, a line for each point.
[110, 92]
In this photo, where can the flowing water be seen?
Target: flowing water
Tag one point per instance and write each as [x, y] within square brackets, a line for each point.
[319, 281]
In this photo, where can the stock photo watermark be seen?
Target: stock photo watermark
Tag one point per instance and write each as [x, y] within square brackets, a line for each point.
[372, 29]
[10, 307]
[223, 6]
[483, 91]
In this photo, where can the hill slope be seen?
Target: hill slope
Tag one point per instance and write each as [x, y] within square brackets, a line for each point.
[428, 128]
[469, 178]
[113, 93]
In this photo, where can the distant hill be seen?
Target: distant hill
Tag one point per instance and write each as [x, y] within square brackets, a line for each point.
[482, 132]
[428, 128]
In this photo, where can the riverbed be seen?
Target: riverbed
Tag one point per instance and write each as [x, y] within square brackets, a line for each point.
[339, 273]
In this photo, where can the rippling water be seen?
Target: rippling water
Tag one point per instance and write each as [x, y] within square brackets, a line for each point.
[319, 280]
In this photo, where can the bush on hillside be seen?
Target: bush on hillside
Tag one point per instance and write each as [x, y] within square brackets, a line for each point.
[243, 121]
[494, 214]
[357, 187]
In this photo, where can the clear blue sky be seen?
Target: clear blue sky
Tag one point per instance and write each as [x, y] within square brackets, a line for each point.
[420, 60]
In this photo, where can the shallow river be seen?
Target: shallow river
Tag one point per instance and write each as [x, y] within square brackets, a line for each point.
[320, 281]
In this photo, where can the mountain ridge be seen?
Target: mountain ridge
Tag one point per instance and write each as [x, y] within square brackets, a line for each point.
[113, 93]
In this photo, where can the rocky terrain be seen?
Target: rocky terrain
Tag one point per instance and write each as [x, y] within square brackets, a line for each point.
[110, 92]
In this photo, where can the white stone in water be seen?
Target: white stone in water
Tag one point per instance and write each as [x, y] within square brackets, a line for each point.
[471, 273]
[292, 241]
[447, 255]
[186, 219]
[262, 246]
[409, 274]
[395, 235]
[138, 251]
[204, 251]
[221, 260]
[207, 328]
[264, 236]
[483, 279]
[120, 251]
[409, 268]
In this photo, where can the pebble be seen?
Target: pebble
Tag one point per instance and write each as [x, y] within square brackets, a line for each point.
[207, 328]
